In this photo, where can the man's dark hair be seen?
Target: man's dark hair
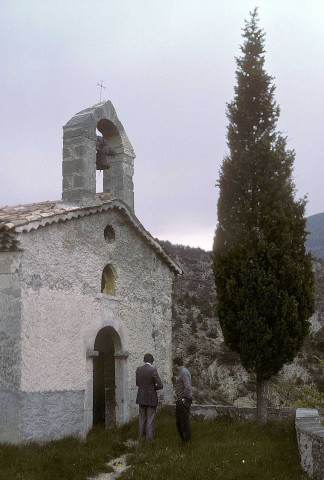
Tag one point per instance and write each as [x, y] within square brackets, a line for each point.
[178, 361]
[148, 357]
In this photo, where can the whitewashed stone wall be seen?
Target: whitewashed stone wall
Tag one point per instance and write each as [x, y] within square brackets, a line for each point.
[10, 358]
[58, 287]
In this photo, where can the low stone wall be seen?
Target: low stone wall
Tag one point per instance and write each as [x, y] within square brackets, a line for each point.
[310, 439]
[210, 412]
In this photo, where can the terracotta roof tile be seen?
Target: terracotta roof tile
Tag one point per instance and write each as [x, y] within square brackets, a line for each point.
[17, 215]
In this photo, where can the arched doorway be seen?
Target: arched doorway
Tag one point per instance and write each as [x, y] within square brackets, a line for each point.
[104, 379]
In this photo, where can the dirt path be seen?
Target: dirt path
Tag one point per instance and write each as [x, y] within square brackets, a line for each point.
[118, 464]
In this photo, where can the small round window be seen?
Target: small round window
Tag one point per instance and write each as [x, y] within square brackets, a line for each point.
[109, 234]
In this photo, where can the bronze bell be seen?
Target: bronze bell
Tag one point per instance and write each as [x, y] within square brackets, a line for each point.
[101, 161]
[103, 150]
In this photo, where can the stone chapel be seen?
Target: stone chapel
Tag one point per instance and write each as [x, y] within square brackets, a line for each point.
[85, 291]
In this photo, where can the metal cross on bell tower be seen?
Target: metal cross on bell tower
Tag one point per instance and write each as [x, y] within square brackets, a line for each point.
[101, 87]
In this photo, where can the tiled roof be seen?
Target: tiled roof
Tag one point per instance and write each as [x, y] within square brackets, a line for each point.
[24, 218]
[15, 216]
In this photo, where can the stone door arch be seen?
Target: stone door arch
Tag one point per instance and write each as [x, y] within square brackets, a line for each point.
[109, 379]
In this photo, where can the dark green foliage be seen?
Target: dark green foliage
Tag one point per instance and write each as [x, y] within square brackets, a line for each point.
[263, 275]
[192, 348]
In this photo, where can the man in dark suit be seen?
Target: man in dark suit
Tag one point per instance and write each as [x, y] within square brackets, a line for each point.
[148, 381]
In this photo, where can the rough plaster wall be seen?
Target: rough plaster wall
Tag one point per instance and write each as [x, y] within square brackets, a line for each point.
[63, 308]
[10, 310]
[54, 422]
[53, 339]
[10, 306]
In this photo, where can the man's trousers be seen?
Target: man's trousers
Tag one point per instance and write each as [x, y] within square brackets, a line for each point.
[146, 422]
[182, 420]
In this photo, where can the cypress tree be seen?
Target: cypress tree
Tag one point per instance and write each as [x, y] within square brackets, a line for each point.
[263, 275]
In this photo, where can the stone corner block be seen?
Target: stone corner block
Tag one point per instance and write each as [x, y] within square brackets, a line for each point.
[9, 262]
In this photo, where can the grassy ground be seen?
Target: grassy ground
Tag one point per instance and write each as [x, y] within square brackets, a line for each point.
[221, 449]
[68, 459]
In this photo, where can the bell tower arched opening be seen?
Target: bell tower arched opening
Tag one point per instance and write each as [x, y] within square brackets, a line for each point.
[95, 140]
[108, 146]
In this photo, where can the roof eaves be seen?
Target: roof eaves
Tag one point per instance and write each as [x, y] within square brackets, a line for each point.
[42, 219]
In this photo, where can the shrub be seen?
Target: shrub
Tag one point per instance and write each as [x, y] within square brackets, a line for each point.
[290, 394]
[194, 326]
[212, 333]
[227, 357]
[192, 348]
[204, 326]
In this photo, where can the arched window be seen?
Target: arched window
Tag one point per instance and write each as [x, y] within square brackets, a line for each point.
[108, 280]
[109, 234]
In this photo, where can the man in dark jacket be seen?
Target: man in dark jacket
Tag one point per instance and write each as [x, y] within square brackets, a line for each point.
[148, 381]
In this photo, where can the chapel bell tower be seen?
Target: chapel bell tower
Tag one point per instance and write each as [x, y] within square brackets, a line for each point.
[94, 139]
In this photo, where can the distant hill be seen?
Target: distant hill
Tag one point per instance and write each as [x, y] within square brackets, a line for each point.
[315, 241]
[218, 377]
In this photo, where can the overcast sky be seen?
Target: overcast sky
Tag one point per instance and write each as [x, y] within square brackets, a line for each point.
[169, 69]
